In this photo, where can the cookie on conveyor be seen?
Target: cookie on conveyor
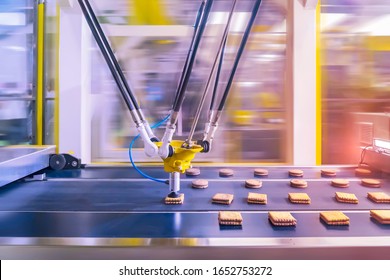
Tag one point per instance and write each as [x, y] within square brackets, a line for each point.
[298, 183]
[300, 198]
[327, 172]
[362, 172]
[226, 172]
[175, 200]
[257, 198]
[334, 218]
[382, 216]
[340, 183]
[295, 172]
[223, 198]
[200, 184]
[260, 172]
[229, 218]
[346, 197]
[282, 219]
[371, 183]
[193, 171]
[253, 184]
[379, 197]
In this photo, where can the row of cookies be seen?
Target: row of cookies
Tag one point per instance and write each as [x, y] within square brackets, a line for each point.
[302, 198]
[282, 218]
[295, 183]
[227, 172]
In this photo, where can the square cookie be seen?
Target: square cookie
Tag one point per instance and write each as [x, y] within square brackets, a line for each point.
[282, 219]
[346, 197]
[229, 218]
[175, 200]
[257, 198]
[334, 218]
[223, 198]
[382, 216]
[301, 198]
[379, 197]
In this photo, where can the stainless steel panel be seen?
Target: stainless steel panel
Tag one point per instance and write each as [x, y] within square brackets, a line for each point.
[18, 162]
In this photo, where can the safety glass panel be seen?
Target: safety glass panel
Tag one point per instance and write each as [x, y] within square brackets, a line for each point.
[16, 71]
[355, 42]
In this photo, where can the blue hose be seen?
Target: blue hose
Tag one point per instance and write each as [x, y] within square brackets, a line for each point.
[131, 154]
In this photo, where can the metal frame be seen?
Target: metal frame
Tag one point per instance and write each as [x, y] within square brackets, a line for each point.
[39, 77]
[196, 248]
[74, 84]
[301, 82]
[20, 162]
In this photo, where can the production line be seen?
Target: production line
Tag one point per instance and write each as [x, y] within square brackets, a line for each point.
[52, 205]
[114, 208]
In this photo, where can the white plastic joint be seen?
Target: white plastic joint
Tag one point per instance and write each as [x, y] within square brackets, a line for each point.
[163, 151]
[149, 147]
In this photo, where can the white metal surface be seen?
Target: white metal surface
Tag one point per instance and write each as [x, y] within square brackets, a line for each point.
[18, 162]
[75, 85]
[304, 84]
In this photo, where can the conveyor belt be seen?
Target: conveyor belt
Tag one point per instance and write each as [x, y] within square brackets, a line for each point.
[116, 193]
[206, 173]
[114, 206]
[178, 224]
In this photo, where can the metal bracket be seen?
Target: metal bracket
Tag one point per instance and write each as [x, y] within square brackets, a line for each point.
[64, 161]
[36, 177]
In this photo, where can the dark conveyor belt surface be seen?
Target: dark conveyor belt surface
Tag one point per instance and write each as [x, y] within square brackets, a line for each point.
[179, 224]
[81, 213]
[243, 172]
[146, 196]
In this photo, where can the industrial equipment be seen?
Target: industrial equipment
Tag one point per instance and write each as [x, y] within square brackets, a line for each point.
[53, 206]
[177, 155]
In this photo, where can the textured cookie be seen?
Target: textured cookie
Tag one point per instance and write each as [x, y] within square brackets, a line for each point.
[175, 200]
[295, 172]
[200, 184]
[327, 172]
[382, 216]
[282, 219]
[372, 183]
[301, 198]
[257, 198]
[193, 171]
[379, 197]
[362, 172]
[334, 218]
[253, 184]
[346, 197]
[298, 183]
[260, 172]
[229, 218]
[222, 198]
[226, 172]
[340, 183]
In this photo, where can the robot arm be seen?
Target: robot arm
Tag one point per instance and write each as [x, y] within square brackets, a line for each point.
[136, 113]
[177, 155]
[215, 114]
[166, 150]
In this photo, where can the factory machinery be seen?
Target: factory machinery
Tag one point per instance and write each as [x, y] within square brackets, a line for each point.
[53, 206]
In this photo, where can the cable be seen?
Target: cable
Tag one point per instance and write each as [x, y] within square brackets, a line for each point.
[131, 154]
[363, 154]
